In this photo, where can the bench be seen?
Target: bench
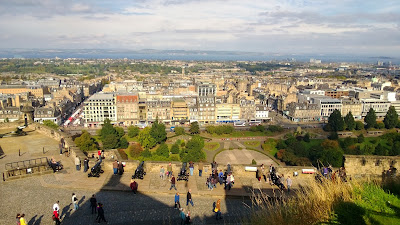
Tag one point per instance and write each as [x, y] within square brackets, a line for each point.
[250, 168]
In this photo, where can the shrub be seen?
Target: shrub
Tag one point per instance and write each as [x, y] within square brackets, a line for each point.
[360, 138]
[51, 124]
[146, 153]
[274, 128]
[379, 125]
[359, 125]
[133, 131]
[175, 148]
[123, 143]
[135, 150]
[163, 150]
[122, 153]
[174, 157]
[179, 130]
[253, 162]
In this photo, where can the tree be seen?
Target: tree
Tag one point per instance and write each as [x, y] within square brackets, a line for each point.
[370, 118]
[6, 120]
[133, 131]
[193, 151]
[119, 132]
[349, 121]
[331, 153]
[135, 150]
[107, 129]
[391, 118]
[381, 150]
[359, 125]
[110, 142]
[86, 142]
[123, 143]
[336, 121]
[146, 153]
[179, 130]
[379, 125]
[175, 148]
[51, 124]
[307, 137]
[360, 138]
[145, 138]
[194, 128]
[163, 150]
[158, 132]
[333, 136]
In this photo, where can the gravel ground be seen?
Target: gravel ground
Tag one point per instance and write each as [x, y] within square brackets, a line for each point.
[29, 197]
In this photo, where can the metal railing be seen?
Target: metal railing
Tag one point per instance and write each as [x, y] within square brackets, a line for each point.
[27, 163]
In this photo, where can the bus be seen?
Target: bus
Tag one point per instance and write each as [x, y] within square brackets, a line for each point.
[254, 122]
[239, 124]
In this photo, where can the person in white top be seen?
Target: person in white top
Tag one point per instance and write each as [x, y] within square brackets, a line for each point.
[75, 201]
[56, 207]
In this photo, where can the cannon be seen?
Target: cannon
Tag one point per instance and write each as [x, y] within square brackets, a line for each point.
[183, 174]
[139, 172]
[96, 170]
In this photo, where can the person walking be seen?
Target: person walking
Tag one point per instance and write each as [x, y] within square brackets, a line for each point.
[56, 217]
[77, 163]
[93, 204]
[191, 168]
[17, 218]
[258, 174]
[177, 202]
[217, 210]
[162, 173]
[22, 220]
[169, 169]
[189, 198]
[289, 183]
[100, 214]
[201, 166]
[85, 165]
[115, 167]
[172, 182]
[75, 201]
[133, 186]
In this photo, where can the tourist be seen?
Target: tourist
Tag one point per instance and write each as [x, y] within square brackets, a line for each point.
[100, 214]
[22, 220]
[217, 210]
[289, 183]
[17, 218]
[115, 167]
[56, 217]
[77, 163]
[188, 220]
[189, 198]
[177, 202]
[228, 183]
[221, 177]
[209, 182]
[172, 182]
[93, 203]
[120, 168]
[191, 168]
[133, 186]
[85, 165]
[200, 168]
[99, 154]
[169, 169]
[183, 216]
[162, 173]
[56, 206]
[75, 201]
[263, 172]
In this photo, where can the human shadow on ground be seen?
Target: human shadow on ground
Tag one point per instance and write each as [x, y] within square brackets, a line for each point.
[36, 221]
[124, 207]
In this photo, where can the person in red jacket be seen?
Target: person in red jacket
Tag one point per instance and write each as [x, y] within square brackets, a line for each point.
[56, 217]
[133, 186]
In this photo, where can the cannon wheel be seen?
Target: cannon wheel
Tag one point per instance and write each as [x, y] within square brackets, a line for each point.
[101, 171]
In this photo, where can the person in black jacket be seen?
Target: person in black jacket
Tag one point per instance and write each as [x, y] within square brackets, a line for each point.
[189, 198]
[100, 212]
[93, 203]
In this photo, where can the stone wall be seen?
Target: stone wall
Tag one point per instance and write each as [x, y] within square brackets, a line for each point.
[369, 165]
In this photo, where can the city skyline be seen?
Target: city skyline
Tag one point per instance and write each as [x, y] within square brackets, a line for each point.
[289, 27]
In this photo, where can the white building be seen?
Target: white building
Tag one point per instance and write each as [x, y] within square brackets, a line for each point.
[99, 107]
[328, 105]
[262, 112]
[380, 106]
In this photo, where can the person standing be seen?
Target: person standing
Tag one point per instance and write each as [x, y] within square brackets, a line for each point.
[115, 167]
[264, 172]
[100, 214]
[93, 203]
[56, 217]
[85, 165]
[183, 216]
[17, 218]
[217, 210]
[162, 173]
[22, 220]
[258, 174]
[120, 168]
[75, 201]
[187, 219]
[289, 183]
[201, 165]
[189, 197]
[77, 163]
[191, 168]
[133, 186]
[169, 169]
[172, 182]
[177, 202]
[99, 155]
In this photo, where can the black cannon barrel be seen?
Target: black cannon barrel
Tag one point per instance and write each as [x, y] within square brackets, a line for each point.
[183, 169]
[97, 166]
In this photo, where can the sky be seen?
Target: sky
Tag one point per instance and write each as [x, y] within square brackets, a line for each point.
[365, 27]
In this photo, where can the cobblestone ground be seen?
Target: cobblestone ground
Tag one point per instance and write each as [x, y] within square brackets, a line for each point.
[29, 197]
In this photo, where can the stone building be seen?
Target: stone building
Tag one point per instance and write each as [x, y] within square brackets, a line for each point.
[47, 113]
[303, 112]
[127, 109]
[353, 106]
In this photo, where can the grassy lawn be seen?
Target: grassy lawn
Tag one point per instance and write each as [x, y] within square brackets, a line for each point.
[270, 146]
[252, 144]
[211, 146]
[313, 142]
[373, 141]
[129, 139]
[245, 133]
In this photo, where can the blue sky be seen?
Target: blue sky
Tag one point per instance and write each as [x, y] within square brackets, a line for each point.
[365, 27]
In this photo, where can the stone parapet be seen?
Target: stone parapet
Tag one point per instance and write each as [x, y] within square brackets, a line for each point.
[369, 165]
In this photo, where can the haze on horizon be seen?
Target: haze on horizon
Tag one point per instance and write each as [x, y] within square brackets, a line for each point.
[363, 27]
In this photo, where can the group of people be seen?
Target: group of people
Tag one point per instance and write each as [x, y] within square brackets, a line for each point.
[96, 208]
[85, 164]
[118, 167]
[273, 177]
[226, 178]
[328, 173]
[390, 173]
